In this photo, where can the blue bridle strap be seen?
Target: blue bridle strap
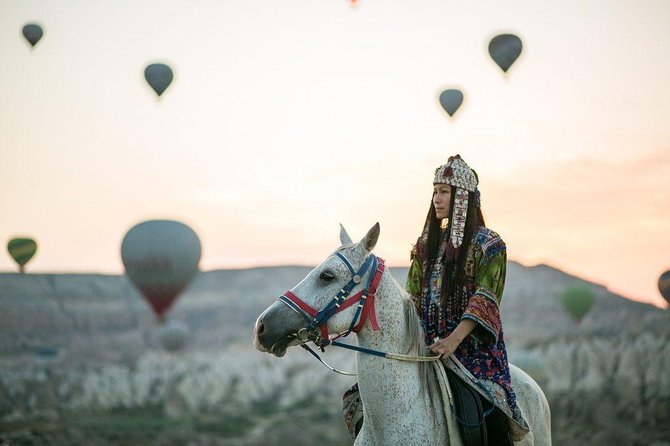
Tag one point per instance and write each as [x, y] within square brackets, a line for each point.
[361, 302]
[347, 263]
[332, 307]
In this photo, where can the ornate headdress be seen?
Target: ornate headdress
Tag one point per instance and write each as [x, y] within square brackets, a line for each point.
[458, 174]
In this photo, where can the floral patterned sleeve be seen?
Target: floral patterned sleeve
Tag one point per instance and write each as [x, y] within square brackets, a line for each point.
[414, 280]
[484, 305]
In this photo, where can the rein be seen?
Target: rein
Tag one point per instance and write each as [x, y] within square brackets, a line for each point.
[317, 327]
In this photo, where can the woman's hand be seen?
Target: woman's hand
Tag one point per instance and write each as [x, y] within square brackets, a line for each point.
[445, 347]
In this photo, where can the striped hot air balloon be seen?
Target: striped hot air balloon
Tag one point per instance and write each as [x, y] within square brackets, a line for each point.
[160, 257]
[22, 250]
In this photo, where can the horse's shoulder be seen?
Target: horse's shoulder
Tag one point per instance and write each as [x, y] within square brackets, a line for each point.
[525, 387]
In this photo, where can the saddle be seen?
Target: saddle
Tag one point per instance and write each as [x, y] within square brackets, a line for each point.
[470, 407]
[478, 425]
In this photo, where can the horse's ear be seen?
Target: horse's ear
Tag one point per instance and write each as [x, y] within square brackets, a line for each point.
[370, 240]
[344, 237]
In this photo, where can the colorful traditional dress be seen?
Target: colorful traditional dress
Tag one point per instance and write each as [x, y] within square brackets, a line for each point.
[483, 352]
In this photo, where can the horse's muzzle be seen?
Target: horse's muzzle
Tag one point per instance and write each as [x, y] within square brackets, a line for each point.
[275, 329]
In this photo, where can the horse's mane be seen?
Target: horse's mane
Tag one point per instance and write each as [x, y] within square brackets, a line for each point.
[414, 335]
[415, 339]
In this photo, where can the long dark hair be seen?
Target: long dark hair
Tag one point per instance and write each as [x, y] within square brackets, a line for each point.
[454, 273]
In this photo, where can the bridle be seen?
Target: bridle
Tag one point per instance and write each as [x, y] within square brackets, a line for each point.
[317, 321]
[317, 327]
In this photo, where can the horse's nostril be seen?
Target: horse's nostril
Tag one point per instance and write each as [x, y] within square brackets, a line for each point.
[260, 328]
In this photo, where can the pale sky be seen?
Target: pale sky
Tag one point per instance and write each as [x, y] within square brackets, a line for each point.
[288, 117]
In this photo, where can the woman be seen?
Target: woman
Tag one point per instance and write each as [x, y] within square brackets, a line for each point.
[456, 279]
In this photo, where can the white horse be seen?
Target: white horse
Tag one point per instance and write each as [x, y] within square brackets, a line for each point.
[402, 404]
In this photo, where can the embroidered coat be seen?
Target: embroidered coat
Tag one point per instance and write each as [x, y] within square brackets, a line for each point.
[483, 352]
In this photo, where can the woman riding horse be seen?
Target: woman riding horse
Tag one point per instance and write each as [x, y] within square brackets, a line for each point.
[456, 279]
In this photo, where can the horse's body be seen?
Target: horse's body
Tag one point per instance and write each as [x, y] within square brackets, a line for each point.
[402, 403]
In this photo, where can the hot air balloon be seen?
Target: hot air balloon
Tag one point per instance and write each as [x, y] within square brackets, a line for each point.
[33, 33]
[451, 100]
[505, 49]
[577, 301]
[664, 285]
[22, 250]
[159, 77]
[160, 257]
[173, 335]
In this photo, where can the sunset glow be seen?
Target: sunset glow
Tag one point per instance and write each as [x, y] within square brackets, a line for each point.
[286, 118]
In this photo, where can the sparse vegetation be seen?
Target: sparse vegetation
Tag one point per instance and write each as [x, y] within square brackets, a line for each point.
[103, 380]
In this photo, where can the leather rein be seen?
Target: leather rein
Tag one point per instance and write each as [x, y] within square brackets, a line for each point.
[316, 330]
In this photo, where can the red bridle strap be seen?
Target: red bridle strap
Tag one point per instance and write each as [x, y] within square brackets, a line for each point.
[307, 309]
[368, 308]
[299, 302]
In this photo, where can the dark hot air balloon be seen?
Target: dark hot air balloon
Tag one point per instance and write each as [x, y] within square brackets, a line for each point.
[22, 250]
[505, 49]
[451, 100]
[159, 76]
[160, 257]
[33, 33]
[577, 301]
[664, 285]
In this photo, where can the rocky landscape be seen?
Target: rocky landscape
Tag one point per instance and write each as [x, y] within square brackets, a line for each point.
[80, 364]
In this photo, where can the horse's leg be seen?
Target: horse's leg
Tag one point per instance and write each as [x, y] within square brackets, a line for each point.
[534, 407]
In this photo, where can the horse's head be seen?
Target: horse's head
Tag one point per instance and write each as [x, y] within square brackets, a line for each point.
[290, 320]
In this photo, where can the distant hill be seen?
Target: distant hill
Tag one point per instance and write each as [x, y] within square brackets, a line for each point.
[80, 363]
[84, 312]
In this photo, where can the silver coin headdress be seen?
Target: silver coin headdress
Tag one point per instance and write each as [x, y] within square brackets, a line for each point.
[458, 174]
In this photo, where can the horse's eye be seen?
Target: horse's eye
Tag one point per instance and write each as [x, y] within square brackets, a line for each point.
[326, 276]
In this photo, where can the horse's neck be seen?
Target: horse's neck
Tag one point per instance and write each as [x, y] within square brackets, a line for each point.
[390, 312]
[392, 391]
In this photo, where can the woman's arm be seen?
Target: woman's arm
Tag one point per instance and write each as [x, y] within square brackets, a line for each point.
[448, 345]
